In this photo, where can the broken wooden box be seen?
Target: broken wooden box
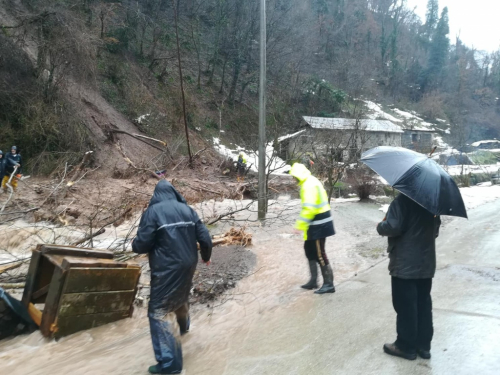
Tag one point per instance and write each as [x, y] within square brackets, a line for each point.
[81, 289]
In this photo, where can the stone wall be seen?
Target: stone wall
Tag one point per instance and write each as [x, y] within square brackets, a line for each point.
[319, 138]
[417, 140]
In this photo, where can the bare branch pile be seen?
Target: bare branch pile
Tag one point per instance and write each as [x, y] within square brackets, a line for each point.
[234, 237]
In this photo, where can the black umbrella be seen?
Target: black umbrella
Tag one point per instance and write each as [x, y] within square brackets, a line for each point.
[418, 177]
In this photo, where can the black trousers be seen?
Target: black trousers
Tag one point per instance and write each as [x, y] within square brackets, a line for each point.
[413, 304]
[315, 250]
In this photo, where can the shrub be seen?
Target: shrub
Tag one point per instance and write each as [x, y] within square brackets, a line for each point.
[362, 181]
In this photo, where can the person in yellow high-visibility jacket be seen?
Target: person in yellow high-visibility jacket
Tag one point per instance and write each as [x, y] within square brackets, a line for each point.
[241, 166]
[317, 223]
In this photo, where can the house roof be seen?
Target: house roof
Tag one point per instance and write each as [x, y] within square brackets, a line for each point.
[418, 129]
[383, 126]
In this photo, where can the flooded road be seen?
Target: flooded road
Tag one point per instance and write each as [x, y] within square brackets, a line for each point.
[220, 330]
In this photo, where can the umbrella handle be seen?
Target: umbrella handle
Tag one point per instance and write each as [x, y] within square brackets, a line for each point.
[432, 151]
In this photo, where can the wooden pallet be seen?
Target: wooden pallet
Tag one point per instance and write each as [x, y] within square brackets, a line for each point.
[80, 288]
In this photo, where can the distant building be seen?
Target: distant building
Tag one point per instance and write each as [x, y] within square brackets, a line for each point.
[348, 136]
[418, 139]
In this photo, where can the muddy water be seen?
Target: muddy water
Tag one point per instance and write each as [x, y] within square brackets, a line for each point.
[257, 301]
[19, 238]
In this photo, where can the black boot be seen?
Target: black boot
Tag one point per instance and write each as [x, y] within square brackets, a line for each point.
[327, 287]
[313, 282]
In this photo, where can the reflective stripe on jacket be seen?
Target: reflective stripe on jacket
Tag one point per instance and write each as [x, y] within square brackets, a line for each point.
[315, 217]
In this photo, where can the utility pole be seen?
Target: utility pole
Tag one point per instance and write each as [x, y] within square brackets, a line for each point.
[262, 114]
[176, 16]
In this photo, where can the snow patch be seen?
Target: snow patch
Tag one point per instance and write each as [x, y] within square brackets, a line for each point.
[275, 164]
[456, 170]
[476, 196]
[440, 143]
[384, 208]
[407, 115]
[477, 144]
[345, 200]
[378, 112]
[382, 180]
[140, 119]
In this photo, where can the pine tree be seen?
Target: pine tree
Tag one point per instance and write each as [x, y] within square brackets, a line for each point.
[438, 53]
[431, 18]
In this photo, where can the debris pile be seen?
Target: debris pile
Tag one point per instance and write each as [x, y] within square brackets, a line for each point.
[233, 237]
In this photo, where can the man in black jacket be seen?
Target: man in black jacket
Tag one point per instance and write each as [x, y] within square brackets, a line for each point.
[12, 161]
[169, 231]
[412, 232]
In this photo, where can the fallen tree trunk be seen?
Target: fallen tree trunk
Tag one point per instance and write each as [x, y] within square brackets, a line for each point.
[89, 237]
[12, 285]
[151, 139]
[10, 267]
[111, 129]
[139, 138]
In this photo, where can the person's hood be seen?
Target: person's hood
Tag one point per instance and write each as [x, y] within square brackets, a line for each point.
[165, 191]
[300, 172]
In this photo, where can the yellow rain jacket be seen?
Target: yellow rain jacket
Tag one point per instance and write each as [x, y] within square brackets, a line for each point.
[243, 157]
[315, 217]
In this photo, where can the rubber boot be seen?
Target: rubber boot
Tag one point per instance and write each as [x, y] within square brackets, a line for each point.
[313, 282]
[327, 287]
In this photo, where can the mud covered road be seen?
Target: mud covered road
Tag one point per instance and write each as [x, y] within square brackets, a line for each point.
[267, 325]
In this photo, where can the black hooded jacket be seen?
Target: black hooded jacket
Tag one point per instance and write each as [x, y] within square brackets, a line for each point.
[169, 231]
[11, 160]
[412, 232]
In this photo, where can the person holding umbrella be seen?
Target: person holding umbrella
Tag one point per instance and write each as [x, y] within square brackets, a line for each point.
[412, 233]
[412, 226]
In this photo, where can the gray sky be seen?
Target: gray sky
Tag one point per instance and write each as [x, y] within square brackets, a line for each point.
[475, 20]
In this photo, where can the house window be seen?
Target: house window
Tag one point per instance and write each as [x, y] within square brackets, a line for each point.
[415, 138]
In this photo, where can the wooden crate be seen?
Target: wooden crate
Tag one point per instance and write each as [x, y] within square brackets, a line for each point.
[81, 289]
